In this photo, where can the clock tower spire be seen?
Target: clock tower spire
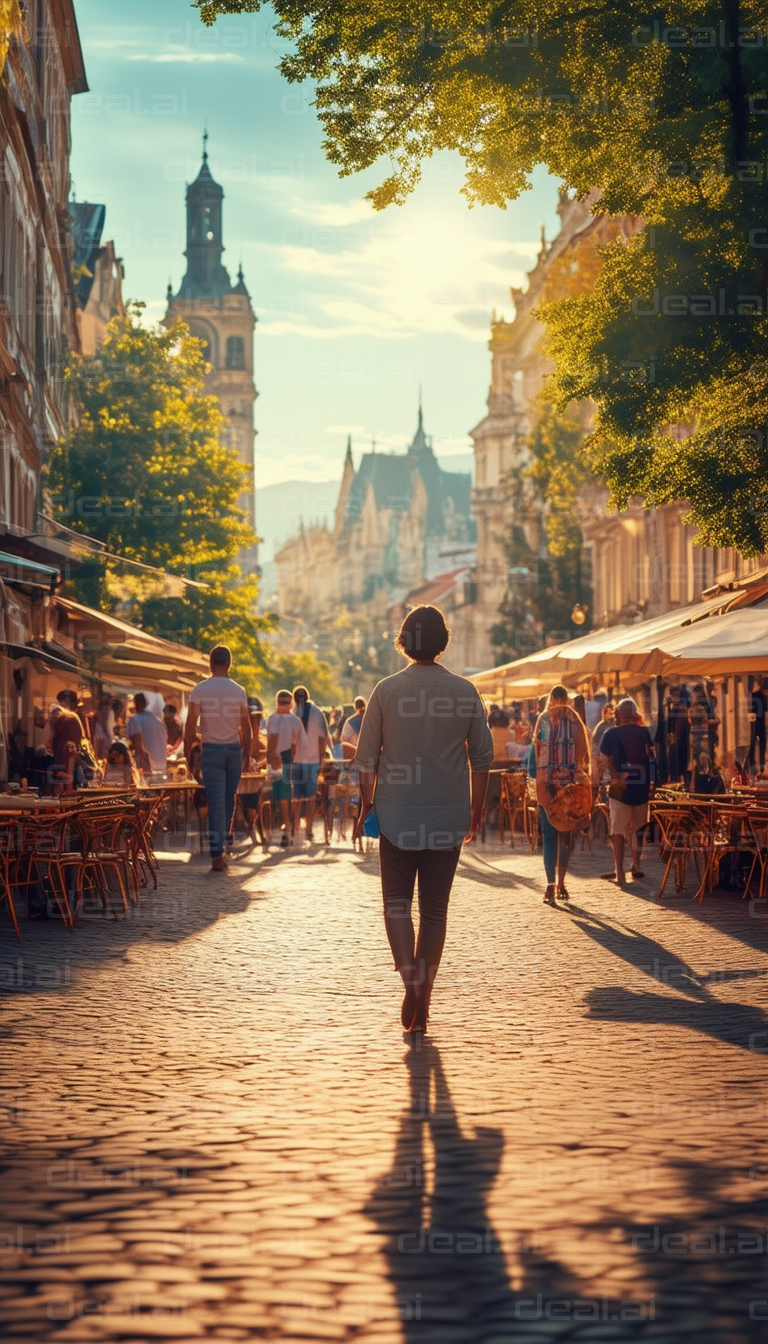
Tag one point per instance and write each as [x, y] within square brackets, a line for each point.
[221, 315]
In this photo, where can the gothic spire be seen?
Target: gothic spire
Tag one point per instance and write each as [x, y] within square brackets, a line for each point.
[419, 439]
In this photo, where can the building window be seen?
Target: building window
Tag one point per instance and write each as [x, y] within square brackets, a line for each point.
[235, 352]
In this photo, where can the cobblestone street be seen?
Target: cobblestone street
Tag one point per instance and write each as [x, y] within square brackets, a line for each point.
[215, 1130]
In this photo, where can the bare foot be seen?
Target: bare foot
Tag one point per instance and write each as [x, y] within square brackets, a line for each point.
[408, 1010]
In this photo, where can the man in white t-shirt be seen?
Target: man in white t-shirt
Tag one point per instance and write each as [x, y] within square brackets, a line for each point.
[148, 738]
[218, 707]
[351, 730]
[283, 729]
[310, 751]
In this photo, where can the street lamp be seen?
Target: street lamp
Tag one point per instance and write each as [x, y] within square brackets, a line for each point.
[579, 613]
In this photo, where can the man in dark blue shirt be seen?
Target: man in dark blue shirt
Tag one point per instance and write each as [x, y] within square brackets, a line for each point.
[627, 749]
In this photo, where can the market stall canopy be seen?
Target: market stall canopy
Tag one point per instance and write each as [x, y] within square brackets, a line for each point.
[46, 662]
[120, 653]
[734, 643]
[637, 648]
[524, 678]
[121, 676]
[633, 648]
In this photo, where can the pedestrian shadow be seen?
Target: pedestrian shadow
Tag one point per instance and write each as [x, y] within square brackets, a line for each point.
[482, 870]
[644, 954]
[707, 1254]
[448, 1267]
[651, 958]
[736, 1024]
[456, 1280]
[443, 1257]
[744, 920]
[187, 901]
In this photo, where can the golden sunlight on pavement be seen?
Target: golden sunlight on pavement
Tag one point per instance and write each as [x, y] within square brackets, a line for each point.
[216, 1130]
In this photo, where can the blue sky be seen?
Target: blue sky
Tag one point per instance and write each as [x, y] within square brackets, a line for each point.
[355, 309]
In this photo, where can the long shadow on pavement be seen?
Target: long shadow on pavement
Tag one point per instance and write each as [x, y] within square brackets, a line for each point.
[445, 1262]
[646, 955]
[189, 899]
[746, 921]
[449, 1268]
[737, 1024]
[50, 956]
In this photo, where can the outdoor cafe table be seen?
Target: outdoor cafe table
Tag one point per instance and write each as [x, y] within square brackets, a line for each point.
[27, 802]
[687, 823]
[88, 808]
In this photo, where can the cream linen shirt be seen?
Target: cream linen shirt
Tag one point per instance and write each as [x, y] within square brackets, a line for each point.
[423, 728]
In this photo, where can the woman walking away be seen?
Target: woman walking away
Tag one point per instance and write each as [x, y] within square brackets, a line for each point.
[560, 762]
[422, 731]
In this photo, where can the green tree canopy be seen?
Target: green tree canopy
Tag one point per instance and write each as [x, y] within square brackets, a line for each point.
[145, 471]
[661, 109]
[287, 670]
[544, 544]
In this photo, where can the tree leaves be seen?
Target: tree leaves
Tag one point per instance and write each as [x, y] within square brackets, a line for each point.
[145, 471]
[544, 543]
[660, 112]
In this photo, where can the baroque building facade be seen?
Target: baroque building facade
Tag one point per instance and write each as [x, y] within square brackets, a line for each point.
[643, 562]
[42, 69]
[394, 514]
[98, 275]
[221, 315]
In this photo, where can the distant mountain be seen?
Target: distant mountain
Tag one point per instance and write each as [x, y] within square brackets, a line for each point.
[280, 510]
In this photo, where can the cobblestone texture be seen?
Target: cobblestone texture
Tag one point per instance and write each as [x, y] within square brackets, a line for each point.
[215, 1130]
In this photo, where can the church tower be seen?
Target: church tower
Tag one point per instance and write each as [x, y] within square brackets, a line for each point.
[347, 481]
[220, 314]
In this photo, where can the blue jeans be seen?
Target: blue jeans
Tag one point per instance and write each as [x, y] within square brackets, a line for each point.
[556, 846]
[222, 765]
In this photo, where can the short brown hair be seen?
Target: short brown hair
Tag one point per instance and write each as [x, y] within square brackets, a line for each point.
[423, 634]
[220, 656]
[559, 694]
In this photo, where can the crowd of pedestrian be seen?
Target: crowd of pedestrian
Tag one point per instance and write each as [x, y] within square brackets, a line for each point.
[573, 740]
[418, 755]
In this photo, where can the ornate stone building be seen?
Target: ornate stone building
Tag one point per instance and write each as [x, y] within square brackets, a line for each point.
[98, 275]
[643, 562]
[393, 515]
[221, 314]
[43, 68]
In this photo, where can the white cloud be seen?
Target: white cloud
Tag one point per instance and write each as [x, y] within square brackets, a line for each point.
[456, 447]
[110, 43]
[400, 276]
[308, 467]
[334, 214]
[153, 312]
[186, 57]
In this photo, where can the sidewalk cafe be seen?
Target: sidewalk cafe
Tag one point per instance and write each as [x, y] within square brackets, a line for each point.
[89, 839]
[720, 643]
